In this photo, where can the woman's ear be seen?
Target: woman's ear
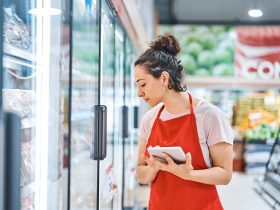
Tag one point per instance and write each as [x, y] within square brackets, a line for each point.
[165, 77]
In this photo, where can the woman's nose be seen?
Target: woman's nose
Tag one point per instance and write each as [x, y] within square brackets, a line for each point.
[140, 93]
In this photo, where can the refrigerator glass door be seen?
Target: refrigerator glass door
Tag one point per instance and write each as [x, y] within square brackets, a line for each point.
[85, 87]
[111, 93]
[36, 48]
[119, 112]
[131, 140]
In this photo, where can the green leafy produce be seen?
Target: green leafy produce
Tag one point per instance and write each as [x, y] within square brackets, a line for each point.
[188, 63]
[218, 29]
[202, 72]
[223, 69]
[208, 41]
[192, 37]
[193, 48]
[206, 59]
[227, 44]
[223, 56]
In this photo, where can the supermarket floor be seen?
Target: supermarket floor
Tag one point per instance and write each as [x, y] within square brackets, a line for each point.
[239, 194]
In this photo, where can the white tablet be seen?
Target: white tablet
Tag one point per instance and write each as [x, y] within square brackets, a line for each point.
[176, 153]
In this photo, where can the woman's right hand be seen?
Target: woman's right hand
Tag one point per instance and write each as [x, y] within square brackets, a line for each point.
[152, 163]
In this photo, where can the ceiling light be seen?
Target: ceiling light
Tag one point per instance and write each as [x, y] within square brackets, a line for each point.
[255, 13]
[44, 11]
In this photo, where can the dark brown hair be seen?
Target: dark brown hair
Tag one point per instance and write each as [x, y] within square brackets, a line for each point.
[162, 56]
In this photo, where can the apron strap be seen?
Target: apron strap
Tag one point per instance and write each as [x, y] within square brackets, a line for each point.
[191, 106]
[158, 115]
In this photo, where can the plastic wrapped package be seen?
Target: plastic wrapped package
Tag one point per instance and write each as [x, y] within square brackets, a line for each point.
[22, 102]
[27, 166]
[15, 31]
[27, 203]
[27, 157]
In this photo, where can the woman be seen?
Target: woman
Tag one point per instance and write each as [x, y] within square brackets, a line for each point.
[177, 119]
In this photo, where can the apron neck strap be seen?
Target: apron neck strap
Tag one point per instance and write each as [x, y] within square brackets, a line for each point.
[191, 106]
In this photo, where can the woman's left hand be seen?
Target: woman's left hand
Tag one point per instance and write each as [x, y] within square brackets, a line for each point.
[181, 170]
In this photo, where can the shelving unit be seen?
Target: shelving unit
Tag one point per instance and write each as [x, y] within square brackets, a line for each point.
[18, 53]
[269, 185]
[231, 83]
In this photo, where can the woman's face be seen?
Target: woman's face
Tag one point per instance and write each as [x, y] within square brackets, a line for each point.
[149, 88]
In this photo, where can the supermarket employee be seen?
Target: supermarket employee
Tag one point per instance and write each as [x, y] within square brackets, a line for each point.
[178, 119]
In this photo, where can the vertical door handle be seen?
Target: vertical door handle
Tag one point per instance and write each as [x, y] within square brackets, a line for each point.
[99, 143]
[135, 119]
[125, 122]
[12, 139]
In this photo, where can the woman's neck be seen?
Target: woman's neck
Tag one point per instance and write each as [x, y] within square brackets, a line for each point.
[176, 103]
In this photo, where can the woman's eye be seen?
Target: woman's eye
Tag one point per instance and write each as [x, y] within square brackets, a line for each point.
[143, 85]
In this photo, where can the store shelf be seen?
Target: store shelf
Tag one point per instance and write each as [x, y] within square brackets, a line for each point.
[231, 83]
[12, 51]
[15, 63]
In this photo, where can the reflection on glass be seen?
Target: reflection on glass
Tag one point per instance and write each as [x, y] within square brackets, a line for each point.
[35, 63]
[110, 174]
[84, 96]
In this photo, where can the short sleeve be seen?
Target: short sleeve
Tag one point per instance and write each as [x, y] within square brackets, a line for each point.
[142, 133]
[147, 122]
[217, 127]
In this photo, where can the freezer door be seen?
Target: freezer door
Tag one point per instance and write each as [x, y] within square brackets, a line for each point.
[36, 88]
[85, 110]
[111, 95]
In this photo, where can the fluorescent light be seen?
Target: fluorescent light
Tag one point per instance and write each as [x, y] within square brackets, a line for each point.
[255, 13]
[44, 11]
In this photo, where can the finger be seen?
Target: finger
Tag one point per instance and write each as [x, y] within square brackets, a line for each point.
[160, 165]
[168, 159]
[146, 159]
[188, 159]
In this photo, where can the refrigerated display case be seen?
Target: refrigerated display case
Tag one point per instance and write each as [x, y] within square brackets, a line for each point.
[34, 41]
[98, 81]
[84, 88]
[65, 75]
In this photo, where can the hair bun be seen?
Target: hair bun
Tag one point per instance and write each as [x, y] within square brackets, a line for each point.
[167, 43]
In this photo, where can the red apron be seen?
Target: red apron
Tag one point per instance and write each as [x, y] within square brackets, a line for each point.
[169, 192]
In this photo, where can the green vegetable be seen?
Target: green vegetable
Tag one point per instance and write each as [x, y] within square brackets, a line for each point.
[223, 69]
[218, 29]
[206, 59]
[208, 41]
[223, 56]
[193, 49]
[202, 72]
[188, 63]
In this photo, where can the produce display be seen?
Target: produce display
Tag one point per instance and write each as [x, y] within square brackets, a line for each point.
[258, 116]
[205, 50]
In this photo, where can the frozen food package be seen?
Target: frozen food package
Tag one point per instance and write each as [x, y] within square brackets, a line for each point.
[21, 102]
[15, 31]
[27, 163]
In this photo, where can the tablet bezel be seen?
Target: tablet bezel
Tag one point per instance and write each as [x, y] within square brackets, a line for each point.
[176, 153]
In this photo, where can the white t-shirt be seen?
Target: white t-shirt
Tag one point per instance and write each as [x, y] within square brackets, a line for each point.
[212, 125]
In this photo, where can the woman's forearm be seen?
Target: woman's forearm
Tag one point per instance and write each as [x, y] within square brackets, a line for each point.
[145, 174]
[213, 176]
